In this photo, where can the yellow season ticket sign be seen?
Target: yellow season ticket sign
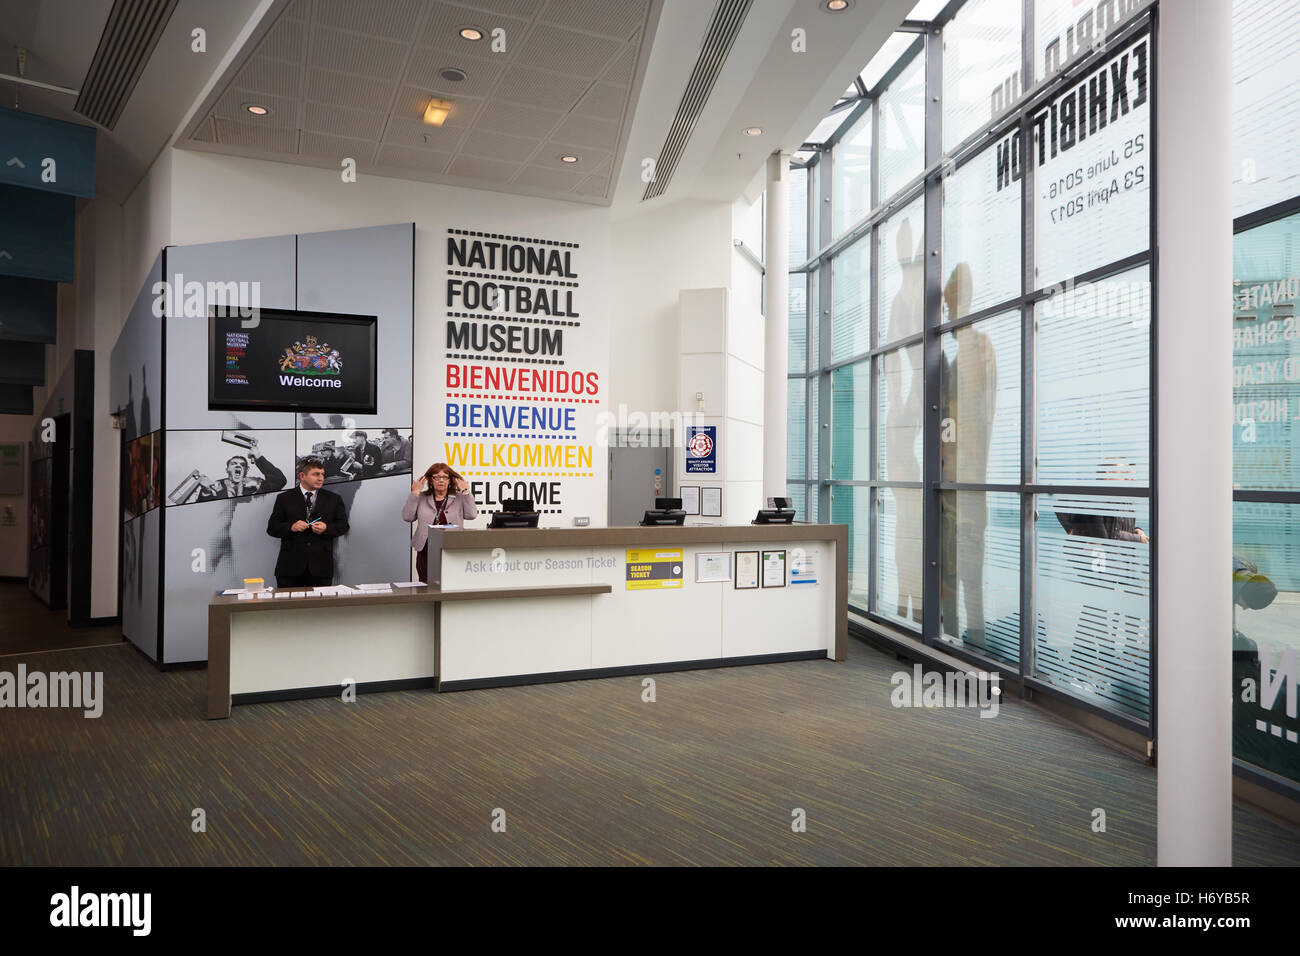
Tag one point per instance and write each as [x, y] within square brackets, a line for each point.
[653, 568]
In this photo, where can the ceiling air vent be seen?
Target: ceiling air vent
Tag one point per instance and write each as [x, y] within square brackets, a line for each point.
[130, 35]
[727, 20]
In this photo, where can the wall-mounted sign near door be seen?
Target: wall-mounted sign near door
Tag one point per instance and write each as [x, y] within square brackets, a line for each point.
[702, 450]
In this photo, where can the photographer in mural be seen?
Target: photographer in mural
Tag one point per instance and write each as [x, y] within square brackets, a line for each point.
[247, 476]
[240, 481]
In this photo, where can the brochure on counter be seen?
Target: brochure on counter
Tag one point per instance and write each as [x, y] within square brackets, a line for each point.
[336, 590]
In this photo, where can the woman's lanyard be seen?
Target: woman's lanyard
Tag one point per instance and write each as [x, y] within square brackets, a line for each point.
[442, 510]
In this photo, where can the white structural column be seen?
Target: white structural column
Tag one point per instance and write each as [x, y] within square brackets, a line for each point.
[1193, 530]
[776, 299]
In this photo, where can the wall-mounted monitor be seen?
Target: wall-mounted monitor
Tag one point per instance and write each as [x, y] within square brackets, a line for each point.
[283, 361]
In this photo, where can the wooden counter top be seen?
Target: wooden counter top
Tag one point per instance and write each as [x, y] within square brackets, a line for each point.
[225, 603]
[666, 535]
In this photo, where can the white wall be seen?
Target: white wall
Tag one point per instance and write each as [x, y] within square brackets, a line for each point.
[146, 228]
[655, 255]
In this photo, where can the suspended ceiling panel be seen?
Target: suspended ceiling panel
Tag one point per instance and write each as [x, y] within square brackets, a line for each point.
[351, 79]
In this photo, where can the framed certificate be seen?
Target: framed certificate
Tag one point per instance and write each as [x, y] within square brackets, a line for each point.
[773, 569]
[690, 498]
[711, 502]
[711, 566]
[746, 570]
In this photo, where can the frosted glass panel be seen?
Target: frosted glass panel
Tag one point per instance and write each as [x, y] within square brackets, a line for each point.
[981, 66]
[851, 422]
[981, 238]
[1266, 632]
[851, 506]
[902, 263]
[797, 354]
[1092, 159]
[796, 429]
[798, 208]
[898, 566]
[815, 321]
[900, 401]
[814, 416]
[980, 572]
[902, 128]
[1093, 584]
[1266, 357]
[1265, 103]
[1093, 382]
[851, 175]
[979, 402]
[1066, 29]
[851, 300]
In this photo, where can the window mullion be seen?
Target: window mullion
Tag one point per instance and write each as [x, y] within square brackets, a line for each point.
[932, 352]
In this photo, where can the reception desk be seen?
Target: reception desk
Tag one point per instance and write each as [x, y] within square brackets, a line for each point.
[632, 627]
[527, 606]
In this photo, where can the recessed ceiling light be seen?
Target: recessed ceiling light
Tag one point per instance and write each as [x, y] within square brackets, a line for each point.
[452, 74]
[436, 113]
[837, 6]
[568, 158]
[471, 33]
[256, 109]
[753, 131]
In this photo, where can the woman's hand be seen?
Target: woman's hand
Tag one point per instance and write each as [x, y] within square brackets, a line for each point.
[418, 485]
[462, 485]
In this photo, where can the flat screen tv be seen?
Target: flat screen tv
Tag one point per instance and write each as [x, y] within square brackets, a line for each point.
[291, 361]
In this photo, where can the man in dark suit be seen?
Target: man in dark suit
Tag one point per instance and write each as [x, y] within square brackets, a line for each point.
[307, 519]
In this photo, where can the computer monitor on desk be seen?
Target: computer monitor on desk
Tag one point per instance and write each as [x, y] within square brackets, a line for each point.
[514, 513]
[657, 516]
[778, 511]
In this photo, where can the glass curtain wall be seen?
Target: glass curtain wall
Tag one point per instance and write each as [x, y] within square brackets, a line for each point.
[1266, 387]
[970, 363]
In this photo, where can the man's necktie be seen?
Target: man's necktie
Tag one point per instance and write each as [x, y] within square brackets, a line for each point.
[310, 502]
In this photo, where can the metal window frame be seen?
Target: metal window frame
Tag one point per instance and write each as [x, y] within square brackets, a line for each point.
[928, 185]
[1245, 223]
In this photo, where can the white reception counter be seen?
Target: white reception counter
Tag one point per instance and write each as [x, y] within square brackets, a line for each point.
[529, 606]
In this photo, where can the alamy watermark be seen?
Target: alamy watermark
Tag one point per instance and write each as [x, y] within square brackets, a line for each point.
[177, 298]
[76, 909]
[922, 688]
[1112, 298]
[626, 428]
[75, 689]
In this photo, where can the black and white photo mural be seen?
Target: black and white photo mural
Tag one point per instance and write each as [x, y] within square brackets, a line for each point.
[221, 469]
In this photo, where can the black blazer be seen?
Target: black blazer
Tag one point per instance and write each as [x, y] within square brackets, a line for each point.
[306, 552]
